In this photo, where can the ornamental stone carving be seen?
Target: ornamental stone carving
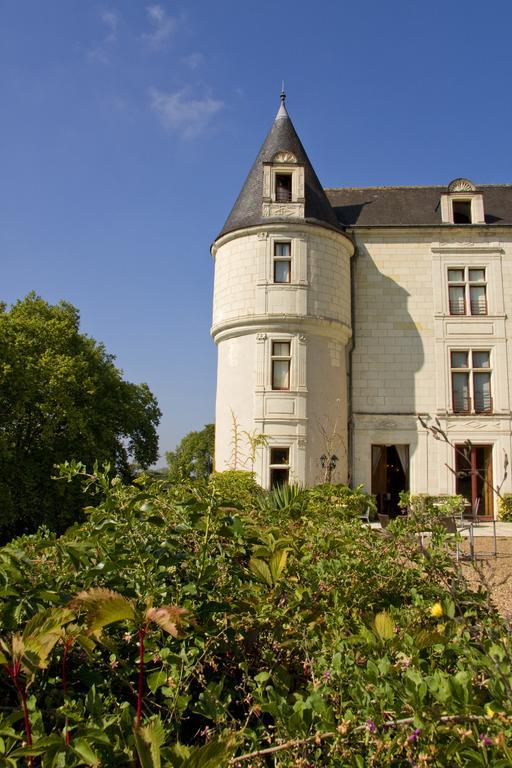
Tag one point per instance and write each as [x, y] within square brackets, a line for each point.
[261, 336]
[288, 211]
[284, 157]
[461, 185]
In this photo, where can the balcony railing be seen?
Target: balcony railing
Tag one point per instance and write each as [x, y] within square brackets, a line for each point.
[483, 403]
[461, 403]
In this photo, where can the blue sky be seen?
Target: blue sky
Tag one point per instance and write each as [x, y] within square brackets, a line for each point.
[128, 128]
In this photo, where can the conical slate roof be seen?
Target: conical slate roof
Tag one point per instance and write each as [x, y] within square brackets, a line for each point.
[247, 211]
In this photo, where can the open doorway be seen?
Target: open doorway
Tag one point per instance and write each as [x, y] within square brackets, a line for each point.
[473, 468]
[390, 476]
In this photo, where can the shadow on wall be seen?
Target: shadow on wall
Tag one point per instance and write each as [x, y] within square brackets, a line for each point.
[387, 354]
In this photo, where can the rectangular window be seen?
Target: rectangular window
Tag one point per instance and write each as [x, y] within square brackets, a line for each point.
[282, 263]
[461, 211]
[283, 187]
[281, 361]
[467, 291]
[471, 381]
[279, 466]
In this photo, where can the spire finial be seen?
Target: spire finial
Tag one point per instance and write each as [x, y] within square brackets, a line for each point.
[283, 94]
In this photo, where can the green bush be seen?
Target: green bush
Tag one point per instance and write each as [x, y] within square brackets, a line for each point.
[168, 630]
[339, 500]
[505, 507]
[236, 488]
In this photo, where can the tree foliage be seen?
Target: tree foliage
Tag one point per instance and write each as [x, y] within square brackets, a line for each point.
[193, 457]
[169, 629]
[61, 397]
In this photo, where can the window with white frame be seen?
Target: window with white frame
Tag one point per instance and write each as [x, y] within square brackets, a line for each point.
[467, 291]
[471, 381]
[282, 267]
[279, 466]
[281, 364]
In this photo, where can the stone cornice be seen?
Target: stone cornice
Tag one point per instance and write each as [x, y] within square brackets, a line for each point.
[287, 227]
[243, 326]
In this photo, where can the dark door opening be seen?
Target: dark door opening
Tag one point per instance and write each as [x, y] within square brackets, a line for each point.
[390, 476]
[473, 473]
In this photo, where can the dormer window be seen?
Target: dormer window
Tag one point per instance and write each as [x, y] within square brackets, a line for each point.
[461, 211]
[283, 187]
[462, 204]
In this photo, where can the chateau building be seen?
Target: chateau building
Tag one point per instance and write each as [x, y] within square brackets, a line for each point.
[340, 315]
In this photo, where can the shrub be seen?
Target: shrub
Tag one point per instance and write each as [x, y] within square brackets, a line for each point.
[236, 488]
[505, 507]
[340, 500]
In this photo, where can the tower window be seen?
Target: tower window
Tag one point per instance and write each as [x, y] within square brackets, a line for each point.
[283, 187]
[279, 466]
[282, 263]
[281, 361]
[462, 211]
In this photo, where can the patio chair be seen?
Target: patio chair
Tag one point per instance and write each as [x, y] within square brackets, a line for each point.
[365, 517]
[450, 526]
[383, 520]
[472, 514]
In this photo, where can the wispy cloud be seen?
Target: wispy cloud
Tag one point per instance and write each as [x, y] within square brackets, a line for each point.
[182, 113]
[162, 25]
[193, 60]
[100, 51]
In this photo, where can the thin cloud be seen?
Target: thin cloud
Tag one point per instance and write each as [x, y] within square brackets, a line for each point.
[100, 51]
[193, 60]
[184, 114]
[162, 24]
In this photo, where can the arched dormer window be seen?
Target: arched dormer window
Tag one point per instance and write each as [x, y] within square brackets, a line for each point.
[462, 203]
[283, 186]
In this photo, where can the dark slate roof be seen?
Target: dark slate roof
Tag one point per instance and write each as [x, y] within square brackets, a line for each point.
[247, 210]
[411, 206]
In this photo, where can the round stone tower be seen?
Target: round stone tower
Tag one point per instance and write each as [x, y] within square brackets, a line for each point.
[282, 322]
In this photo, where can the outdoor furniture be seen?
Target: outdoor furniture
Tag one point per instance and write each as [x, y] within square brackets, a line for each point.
[365, 517]
[451, 527]
[383, 520]
[472, 512]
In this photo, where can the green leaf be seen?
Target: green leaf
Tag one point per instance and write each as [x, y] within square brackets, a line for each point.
[156, 680]
[103, 607]
[148, 740]
[261, 570]
[84, 750]
[215, 754]
[278, 563]
[384, 626]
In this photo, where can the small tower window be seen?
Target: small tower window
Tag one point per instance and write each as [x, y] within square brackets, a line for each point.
[279, 466]
[281, 361]
[461, 211]
[282, 263]
[283, 187]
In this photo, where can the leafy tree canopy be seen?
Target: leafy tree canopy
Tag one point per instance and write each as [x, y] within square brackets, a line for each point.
[193, 457]
[61, 397]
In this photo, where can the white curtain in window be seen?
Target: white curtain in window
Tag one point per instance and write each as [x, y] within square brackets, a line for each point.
[403, 455]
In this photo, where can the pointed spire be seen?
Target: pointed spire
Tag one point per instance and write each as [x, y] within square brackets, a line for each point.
[247, 211]
[282, 109]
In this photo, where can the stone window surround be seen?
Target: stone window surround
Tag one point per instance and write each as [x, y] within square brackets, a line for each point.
[471, 371]
[477, 207]
[295, 170]
[459, 256]
[467, 283]
[298, 257]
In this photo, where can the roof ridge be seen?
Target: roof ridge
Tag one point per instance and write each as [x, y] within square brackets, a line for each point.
[407, 186]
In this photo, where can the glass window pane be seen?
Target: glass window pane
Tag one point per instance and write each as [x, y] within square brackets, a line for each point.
[460, 388]
[282, 271]
[478, 299]
[482, 392]
[279, 477]
[279, 455]
[456, 275]
[281, 349]
[481, 360]
[280, 374]
[456, 297]
[282, 249]
[477, 275]
[459, 359]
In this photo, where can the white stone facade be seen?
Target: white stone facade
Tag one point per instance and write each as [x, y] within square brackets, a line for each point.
[362, 329]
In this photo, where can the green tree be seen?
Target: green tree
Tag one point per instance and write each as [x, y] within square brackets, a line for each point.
[193, 457]
[61, 397]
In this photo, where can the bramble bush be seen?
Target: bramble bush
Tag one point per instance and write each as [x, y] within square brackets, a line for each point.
[173, 628]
